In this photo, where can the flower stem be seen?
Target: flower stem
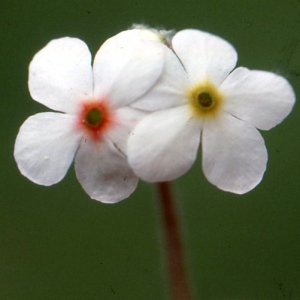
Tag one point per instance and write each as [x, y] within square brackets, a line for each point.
[174, 251]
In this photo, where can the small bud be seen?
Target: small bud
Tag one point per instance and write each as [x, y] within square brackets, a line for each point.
[148, 33]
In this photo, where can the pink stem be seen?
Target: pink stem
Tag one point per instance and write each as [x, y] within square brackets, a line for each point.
[174, 251]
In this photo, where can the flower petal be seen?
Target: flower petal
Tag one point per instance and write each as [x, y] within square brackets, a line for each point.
[234, 154]
[164, 144]
[45, 147]
[169, 90]
[60, 74]
[125, 119]
[260, 98]
[126, 67]
[204, 56]
[104, 172]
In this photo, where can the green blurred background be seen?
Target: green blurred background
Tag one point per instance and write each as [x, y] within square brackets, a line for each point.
[56, 243]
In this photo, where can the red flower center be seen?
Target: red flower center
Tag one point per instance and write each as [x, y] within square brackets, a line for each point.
[95, 117]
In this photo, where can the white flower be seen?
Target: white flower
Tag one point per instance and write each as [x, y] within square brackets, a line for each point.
[199, 100]
[93, 121]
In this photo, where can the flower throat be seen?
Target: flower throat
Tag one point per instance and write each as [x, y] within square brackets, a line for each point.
[94, 117]
[204, 99]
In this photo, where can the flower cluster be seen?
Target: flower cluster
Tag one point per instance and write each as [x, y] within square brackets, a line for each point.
[143, 109]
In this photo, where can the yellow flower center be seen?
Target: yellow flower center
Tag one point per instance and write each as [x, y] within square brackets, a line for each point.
[205, 99]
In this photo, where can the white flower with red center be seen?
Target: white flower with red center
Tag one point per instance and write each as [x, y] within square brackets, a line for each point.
[201, 100]
[93, 120]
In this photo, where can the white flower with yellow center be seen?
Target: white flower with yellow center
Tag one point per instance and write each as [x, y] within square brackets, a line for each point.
[199, 100]
[93, 121]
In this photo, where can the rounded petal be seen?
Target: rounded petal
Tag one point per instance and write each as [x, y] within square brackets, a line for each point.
[125, 67]
[260, 98]
[126, 119]
[45, 147]
[164, 145]
[104, 172]
[60, 75]
[204, 56]
[169, 90]
[234, 154]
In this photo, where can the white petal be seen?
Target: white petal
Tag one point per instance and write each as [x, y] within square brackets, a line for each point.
[169, 90]
[260, 98]
[125, 119]
[234, 154]
[204, 56]
[104, 172]
[45, 147]
[60, 74]
[126, 67]
[164, 145]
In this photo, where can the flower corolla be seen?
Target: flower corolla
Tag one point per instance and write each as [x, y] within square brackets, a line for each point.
[201, 100]
[92, 119]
